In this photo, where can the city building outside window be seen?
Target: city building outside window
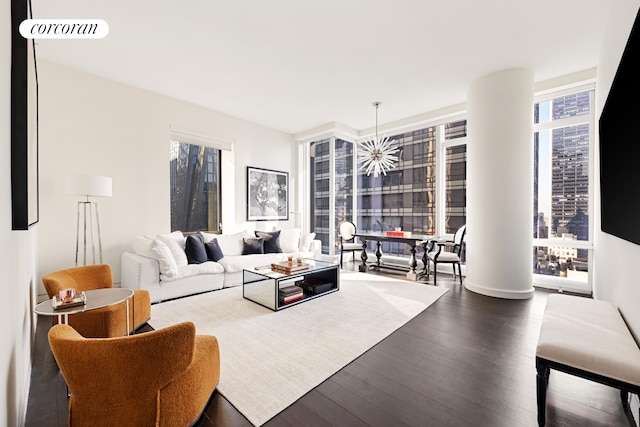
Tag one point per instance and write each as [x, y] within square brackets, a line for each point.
[432, 161]
[343, 185]
[331, 194]
[320, 194]
[455, 134]
[405, 197]
[562, 190]
[195, 187]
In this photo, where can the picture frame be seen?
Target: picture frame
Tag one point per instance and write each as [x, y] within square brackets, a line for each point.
[24, 123]
[267, 194]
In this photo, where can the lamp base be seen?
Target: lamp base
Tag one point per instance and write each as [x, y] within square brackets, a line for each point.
[90, 232]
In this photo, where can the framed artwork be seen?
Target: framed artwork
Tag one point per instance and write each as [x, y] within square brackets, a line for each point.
[24, 123]
[267, 195]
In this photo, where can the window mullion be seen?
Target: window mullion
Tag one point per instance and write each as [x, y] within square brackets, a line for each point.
[441, 181]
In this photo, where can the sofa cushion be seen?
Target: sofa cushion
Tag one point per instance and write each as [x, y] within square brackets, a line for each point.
[305, 242]
[189, 270]
[289, 239]
[176, 242]
[271, 241]
[143, 245]
[207, 237]
[232, 244]
[214, 253]
[166, 262]
[195, 250]
[236, 263]
[252, 245]
[151, 247]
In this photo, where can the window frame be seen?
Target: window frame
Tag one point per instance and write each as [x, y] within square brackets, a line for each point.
[564, 283]
[440, 153]
[222, 145]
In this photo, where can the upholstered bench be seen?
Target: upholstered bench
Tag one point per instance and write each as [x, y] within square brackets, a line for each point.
[587, 338]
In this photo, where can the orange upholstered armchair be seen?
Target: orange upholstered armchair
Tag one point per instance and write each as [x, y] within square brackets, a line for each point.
[157, 378]
[103, 322]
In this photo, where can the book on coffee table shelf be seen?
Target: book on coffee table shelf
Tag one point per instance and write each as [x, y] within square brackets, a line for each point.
[288, 268]
[289, 294]
[289, 290]
[314, 286]
[286, 300]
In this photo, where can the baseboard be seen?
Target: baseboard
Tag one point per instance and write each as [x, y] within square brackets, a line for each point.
[498, 293]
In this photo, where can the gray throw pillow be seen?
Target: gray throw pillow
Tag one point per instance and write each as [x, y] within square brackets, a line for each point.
[194, 248]
[271, 241]
[214, 253]
[252, 245]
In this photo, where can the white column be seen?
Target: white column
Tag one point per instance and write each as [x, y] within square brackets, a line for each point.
[500, 185]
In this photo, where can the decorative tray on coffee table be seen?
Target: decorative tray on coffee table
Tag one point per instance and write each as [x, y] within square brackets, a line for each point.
[58, 304]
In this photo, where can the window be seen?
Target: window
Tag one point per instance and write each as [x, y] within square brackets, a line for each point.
[455, 175]
[320, 191]
[195, 187]
[343, 185]
[562, 202]
[406, 196]
[331, 198]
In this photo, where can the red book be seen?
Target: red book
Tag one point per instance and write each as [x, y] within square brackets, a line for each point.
[291, 298]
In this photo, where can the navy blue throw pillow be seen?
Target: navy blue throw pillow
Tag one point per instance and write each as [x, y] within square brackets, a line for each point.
[194, 248]
[271, 241]
[214, 252]
[252, 245]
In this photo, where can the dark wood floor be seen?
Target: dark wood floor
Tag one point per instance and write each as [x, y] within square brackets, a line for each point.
[468, 360]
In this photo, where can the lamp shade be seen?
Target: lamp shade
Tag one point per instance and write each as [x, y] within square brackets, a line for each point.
[88, 185]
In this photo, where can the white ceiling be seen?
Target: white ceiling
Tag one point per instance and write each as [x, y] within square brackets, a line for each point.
[294, 65]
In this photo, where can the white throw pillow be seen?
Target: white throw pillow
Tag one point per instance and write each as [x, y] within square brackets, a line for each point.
[175, 241]
[289, 239]
[165, 258]
[232, 244]
[207, 237]
[143, 245]
[305, 242]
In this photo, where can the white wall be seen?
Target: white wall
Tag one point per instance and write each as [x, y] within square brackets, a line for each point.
[17, 265]
[90, 125]
[616, 266]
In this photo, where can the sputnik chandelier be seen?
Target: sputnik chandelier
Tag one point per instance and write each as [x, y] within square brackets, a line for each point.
[377, 155]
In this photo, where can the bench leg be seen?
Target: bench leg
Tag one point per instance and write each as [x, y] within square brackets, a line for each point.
[542, 378]
[546, 374]
[624, 396]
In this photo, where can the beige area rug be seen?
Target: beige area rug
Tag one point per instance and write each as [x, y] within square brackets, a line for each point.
[271, 359]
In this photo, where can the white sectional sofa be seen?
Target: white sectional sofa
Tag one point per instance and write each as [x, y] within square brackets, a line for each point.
[168, 266]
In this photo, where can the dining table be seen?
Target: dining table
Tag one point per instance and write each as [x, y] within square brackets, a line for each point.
[408, 238]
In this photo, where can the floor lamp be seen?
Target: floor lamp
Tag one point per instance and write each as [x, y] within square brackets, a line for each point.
[88, 186]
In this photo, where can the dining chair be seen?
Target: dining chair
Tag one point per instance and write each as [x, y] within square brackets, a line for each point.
[448, 252]
[347, 231]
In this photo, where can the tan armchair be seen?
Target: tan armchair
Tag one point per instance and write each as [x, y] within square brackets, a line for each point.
[157, 378]
[103, 322]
